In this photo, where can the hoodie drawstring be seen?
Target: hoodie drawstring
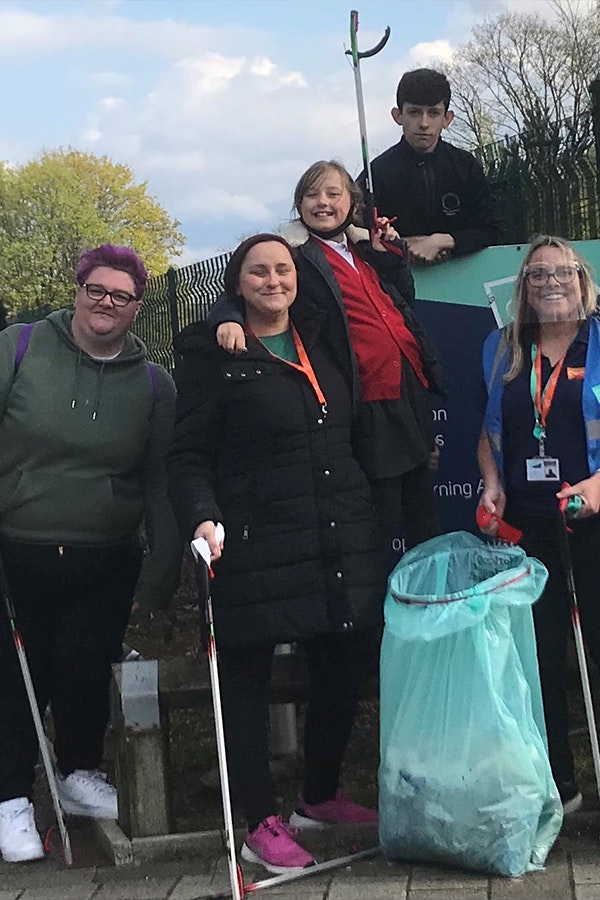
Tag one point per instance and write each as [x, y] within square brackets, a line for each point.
[99, 383]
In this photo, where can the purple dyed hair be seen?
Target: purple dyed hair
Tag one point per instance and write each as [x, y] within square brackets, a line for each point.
[111, 256]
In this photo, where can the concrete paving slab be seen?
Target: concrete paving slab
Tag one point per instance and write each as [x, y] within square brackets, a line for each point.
[9, 895]
[587, 872]
[587, 892]
[192, 886]
[552, 883]
[42, 874]
[377, 889]
[145, 889]
[74, 892]
[434, 877]
[442, 893]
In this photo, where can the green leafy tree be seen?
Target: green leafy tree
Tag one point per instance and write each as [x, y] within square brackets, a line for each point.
[54, 206]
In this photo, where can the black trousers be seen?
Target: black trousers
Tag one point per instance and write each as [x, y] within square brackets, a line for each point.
[551, 614]
[72, 610]
[406, 505]
[337, 665]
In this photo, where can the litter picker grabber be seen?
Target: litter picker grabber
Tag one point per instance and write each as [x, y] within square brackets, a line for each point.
[201, 552]
[239, 890]
[565, 507]
[371, 217]
[505, 532]
[317, 869]
[37, 719]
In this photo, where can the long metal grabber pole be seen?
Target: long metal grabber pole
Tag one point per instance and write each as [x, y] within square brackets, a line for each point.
[337, 863]
[578, 635]
[201, 551]
[371, 216]
[37, 719]
[357, 55]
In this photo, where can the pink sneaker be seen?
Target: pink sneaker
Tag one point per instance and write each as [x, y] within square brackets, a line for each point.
[271, 845]
[339, 811]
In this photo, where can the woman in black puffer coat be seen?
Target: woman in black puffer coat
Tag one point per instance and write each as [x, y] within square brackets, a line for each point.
[263, 444]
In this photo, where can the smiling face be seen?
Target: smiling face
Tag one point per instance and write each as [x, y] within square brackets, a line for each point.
[422, 125]
[554, 301]
[99, 327]
[326, 205]
[268, 284]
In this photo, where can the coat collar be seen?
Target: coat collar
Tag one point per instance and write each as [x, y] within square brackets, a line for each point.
[297, 234]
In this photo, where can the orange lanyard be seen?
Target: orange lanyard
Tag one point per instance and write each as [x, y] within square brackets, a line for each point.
[304, 366]
[542, 399]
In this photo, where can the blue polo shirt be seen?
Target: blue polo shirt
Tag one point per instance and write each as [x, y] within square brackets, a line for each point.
[565, 430]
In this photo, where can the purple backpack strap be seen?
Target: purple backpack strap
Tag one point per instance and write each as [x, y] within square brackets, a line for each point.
[22, 344]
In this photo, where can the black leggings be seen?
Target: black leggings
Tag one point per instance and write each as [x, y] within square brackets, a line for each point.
[72, 610]
[405, 505]
[337, 665]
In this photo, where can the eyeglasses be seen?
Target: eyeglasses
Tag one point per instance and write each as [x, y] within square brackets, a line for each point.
[563, 274]
[118, 298]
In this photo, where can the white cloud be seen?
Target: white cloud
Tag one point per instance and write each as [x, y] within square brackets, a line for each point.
[429, 52]
[109, 79]
[262, 66]
[206, 75]
[110, 103]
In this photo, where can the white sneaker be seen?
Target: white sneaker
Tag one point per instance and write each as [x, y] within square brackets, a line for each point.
[19, 838]
[87, 793]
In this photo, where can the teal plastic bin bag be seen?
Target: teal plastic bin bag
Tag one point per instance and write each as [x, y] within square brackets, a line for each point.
[464, 777]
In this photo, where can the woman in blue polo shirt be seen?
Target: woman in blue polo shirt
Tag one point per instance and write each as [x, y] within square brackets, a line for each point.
[542, 428]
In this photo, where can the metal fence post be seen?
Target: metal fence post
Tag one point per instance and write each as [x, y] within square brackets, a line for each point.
[172, 298]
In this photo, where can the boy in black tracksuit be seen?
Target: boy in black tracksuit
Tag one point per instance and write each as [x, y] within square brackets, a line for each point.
[438, 193]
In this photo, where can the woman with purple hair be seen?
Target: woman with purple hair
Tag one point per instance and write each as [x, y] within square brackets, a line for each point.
[84, 424]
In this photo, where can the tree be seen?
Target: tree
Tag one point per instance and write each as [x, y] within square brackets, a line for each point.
[54, 206]
[522, 73]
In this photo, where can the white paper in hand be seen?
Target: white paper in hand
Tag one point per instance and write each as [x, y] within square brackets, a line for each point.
[200, 547]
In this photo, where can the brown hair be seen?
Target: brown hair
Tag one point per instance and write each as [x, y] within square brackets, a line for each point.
[236, 261]
[315, 173]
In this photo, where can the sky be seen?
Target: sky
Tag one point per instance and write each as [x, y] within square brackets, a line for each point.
[219, 105]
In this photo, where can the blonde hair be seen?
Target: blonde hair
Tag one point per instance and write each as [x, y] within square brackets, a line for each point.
[521, 329]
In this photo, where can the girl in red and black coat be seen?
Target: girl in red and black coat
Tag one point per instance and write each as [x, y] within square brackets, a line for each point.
[366, 291]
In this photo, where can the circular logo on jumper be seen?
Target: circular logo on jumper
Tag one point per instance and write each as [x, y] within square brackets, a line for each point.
[450, 203]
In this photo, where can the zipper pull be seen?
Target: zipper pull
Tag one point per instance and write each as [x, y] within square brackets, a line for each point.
[245, 532]
[61, 551]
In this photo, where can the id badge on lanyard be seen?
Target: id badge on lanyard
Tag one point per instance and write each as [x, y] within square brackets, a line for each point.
[542, 467]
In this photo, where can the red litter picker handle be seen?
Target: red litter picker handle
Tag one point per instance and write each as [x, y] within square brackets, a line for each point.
[505, 531]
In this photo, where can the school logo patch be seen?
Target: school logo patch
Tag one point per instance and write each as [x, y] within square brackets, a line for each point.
[450, 204]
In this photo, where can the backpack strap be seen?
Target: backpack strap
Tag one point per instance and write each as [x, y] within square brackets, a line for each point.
[22, 344]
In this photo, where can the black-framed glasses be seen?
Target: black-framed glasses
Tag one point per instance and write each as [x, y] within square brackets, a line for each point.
[98, 292]
[538, 276]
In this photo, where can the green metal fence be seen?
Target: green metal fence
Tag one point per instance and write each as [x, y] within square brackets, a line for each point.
[175, 299]
[545, 181]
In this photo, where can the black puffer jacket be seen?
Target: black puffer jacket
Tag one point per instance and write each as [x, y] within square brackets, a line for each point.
[253, 449]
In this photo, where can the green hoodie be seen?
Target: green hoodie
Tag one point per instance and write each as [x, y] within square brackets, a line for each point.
[83, 443]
